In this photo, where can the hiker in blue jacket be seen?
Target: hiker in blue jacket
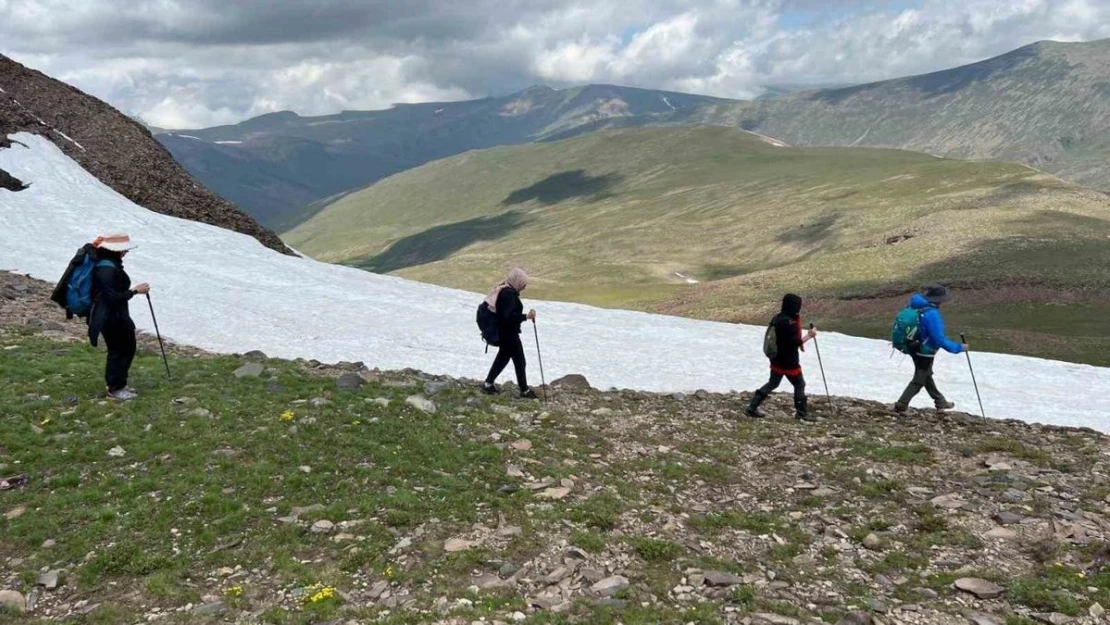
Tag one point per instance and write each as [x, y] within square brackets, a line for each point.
[930, 339]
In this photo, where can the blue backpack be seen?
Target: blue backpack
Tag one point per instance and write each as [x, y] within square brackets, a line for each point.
[79, 289]
[487, 325]
[905, 336]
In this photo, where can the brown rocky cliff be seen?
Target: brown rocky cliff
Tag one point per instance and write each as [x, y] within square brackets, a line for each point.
[118, 151]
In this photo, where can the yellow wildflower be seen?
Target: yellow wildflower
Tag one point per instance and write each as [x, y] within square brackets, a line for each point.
[234, 591]
[45, 421]
[287, 415]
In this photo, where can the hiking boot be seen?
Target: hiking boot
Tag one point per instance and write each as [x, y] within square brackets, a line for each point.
[755, 413]
[900, 410]
[945, 405]
[528, 393]
[122, 395]
[490, 389]
[804, 416]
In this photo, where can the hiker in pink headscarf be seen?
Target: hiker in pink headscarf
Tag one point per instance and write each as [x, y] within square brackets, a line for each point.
[504, 302]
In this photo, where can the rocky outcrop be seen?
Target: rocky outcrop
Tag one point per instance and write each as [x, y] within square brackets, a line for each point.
[118, 151]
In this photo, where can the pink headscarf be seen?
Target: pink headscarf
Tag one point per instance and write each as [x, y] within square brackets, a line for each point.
[517, 279]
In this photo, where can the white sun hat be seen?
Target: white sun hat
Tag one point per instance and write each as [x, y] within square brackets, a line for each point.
[116, 242]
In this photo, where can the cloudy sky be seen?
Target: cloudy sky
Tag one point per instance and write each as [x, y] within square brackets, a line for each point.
[191, 63]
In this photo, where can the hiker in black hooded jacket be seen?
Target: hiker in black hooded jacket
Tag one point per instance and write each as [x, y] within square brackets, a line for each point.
[110, 315]
[508, 311]
[789, 341]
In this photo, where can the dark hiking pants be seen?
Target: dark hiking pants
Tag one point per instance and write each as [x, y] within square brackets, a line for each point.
[799, 383]
[119, 338]
[511, 349]
[922, 379]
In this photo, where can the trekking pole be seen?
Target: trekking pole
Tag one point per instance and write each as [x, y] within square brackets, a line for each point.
[963, 340]
[539, 355]
[822, 366]
[157, 333]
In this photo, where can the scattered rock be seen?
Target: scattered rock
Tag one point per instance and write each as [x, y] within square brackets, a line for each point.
[298, 512]
[508, 569]
[200, 413]
[878, 606]
[574, 382]
[1096, 610]
[249, 370]
[116, 452]
[948, 502]
[15, 512]
[319, 402]
[421, 403]
[982, 618]
[458, 544]
[48, 543]
[487, 581]
[210, 609]
[981, 588]
[49, 580]
[610, 585]
[872, 541]
[777, 619]
[554, 493]
[1007, 518]
[1054, 618]
[602, 412]
[349, 382]
[255, 354]
[323, 526]
[1001, 533]
[722, 578]
[435, 387]
[13, 599]
[559, 574]
[856, 618]
[522, 445]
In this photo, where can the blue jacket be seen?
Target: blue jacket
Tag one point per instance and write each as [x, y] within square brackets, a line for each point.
[932, 328]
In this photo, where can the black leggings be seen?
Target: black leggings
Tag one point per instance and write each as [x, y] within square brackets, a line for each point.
[511, 349]
[799, 383]
[119, 338]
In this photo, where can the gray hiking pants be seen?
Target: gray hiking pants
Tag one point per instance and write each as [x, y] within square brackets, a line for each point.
[922, 378]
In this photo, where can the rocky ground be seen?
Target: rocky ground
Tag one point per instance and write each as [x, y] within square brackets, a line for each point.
[257, 490]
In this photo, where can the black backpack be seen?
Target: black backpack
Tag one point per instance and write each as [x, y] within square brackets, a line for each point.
[487, 325]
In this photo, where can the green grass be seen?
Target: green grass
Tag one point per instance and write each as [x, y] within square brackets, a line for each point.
[611, 219]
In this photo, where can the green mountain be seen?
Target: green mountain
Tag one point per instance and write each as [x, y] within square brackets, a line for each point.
[276, 166]
[1046, 105]
[634, 217]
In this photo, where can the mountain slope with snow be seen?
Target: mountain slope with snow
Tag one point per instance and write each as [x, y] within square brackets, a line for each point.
[224, 291]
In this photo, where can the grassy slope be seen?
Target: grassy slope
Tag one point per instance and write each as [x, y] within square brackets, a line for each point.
[611, 218]
[191, 512]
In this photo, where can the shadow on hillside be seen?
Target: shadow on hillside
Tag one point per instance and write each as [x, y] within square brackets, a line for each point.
[816, 233]
[565, 186]
[441, 242]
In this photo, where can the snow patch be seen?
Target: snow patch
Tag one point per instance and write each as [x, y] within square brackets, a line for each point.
[246, 296]
[688, 280]
[668, 103]
[769, 140]
[229, 142]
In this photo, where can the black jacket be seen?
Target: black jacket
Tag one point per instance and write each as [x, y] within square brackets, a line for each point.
[788, 334]
[111, 292]
[510, 312]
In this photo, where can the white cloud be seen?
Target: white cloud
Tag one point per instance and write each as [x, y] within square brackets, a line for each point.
[204, 62]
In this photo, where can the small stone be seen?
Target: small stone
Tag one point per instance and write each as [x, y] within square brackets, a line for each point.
[210, 609]
[948, 502]
[377, 589]
[1054, 618]
[274, 387]
[297, 512]
[323, 526]
[49, 580]
[508, 569]
[591, 575]
[15, 512]
[349, 382]
[435, 387]
[1001, 533]
[577, 553]
[1007, 518]
[981, 588]
[319, 402]
[508, 531]
[48, 543]
[514, 471]
[13, 599]
[610, 585]
[255, 354]
[457, 544]
[722, 578]
[982, 618]
[872, 541]
[602, 412]
[522, 445]
[200, 413]
[185, 401]
[421, 403]
[856, 618]
[878, 606]
[487, 581]
[573, 381]
[249, 370]
[116, 452]
[554, 493]
[559, 574]
[1096, 610]
[796, 516]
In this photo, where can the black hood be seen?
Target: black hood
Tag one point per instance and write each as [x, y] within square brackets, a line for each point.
[791, 305]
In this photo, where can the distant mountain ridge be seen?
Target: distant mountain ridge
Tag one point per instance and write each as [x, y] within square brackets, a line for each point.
[277, 164]
[118, 151]
[1046, 105]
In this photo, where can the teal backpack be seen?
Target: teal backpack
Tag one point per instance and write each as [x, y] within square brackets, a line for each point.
[905, 335]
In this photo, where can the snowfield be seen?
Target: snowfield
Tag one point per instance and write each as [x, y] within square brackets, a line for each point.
[225, 292]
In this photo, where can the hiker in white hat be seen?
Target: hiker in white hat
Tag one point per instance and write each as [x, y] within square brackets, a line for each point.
[110, 315]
